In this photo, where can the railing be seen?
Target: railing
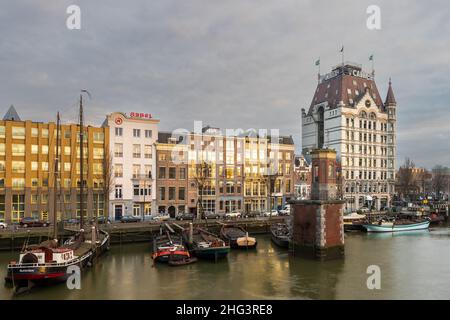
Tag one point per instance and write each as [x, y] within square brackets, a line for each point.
[50, 264]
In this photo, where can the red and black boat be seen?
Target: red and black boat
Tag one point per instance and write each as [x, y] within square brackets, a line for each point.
[169, 247]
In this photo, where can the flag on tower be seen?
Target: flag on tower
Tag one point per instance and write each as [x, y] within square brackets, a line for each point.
[371, 57]
[318, 62]
[342, 49]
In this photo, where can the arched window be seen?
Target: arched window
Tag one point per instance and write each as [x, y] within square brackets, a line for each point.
[320, 128]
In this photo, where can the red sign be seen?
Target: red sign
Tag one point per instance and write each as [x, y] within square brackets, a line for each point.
[140, 115]
[118, 121]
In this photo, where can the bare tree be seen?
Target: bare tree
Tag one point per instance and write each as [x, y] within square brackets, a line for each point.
[340, 180]
[406, 180]
[440, 179]
[201, 178]
[108, 181]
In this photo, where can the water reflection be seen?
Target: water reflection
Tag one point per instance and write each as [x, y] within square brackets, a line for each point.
[413, 265]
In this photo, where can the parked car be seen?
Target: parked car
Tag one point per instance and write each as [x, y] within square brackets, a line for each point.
[233, 215]
[285, 211]
[33, 222]
[212, 215]
[129, 218]
[3, 225]
[185, 216]
[162, 217]
[272, 213]
[72, 221]
[363, 210]
[252, 214]
[100, 220]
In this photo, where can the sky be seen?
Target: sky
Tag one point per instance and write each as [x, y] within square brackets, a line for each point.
[230, 64]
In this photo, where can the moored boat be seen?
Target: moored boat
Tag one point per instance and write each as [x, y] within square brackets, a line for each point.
[169, 247]
[205, 245]
[354, 222]
[182, 262]
[399, 225]
[280, 234]
[237, 237]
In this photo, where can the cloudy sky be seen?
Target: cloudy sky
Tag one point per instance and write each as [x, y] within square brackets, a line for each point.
[232, 63]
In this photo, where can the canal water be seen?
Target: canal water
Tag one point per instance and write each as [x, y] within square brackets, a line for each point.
[413, 266]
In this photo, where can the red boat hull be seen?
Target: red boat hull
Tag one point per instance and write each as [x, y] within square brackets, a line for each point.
[166, 255]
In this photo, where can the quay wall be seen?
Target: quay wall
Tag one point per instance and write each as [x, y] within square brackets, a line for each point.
[121, 233]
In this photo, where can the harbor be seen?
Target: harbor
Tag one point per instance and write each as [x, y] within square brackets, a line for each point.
[413, 266]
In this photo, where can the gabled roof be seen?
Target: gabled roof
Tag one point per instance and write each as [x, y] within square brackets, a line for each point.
[11, 114]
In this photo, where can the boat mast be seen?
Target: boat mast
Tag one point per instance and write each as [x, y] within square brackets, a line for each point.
[81, 162]
[55, 179]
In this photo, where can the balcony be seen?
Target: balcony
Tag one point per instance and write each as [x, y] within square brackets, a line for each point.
[142, 177]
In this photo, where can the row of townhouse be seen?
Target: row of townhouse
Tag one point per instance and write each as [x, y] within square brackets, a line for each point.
[133, 169]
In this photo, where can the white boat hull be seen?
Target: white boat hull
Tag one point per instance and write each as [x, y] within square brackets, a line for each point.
[396, 228]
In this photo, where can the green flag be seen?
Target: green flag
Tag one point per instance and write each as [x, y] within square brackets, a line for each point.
[317, 62]
[371, 57]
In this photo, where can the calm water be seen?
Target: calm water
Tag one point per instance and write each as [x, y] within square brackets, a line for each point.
[413, 266]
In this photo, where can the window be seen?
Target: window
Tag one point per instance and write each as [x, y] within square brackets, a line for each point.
[171, 193]
[137, 133]
[44, 149]
[34, 198]
[119, 132]
[161, 173]
[118, 170]
[172, 173]
[148, 170]
[118, 191]
[34, 132]
[18, 207]
[67, 134]
[18, 132]
[148, 133]
[34, 149]
[2, 131]
[2, 149]
[98, 153]
[162, 193]
[136, 189]
[99, 137]
[118, 150]
[18, 166]
[2, 182]
[67, 166]
[97, 168]
[136, 210]
[44, 166]
[18, 149]
[45, 133]
[35, 182]
[148, 151]
[181, 193]
[67, 151]
[182, 173]
[136, 150]
[136, 170]
[18, 183]
[2, 166]
[67, 183]
[162, 157]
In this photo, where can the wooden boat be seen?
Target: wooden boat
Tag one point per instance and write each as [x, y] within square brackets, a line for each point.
[182, 262]
[354, 222]
[169, 247]
[436, 219]
[237, 237]
[206, 245]
[397, 225]
[280, 234]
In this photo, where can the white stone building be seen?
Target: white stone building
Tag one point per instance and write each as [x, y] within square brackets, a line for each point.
[348, 115]
[133, 154]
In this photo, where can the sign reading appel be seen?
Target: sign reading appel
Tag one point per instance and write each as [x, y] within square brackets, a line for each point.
[140, 115]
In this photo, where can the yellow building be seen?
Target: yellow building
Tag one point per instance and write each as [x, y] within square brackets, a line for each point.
[27, 154]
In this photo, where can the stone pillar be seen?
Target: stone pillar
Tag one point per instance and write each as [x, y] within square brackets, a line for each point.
[318, 228]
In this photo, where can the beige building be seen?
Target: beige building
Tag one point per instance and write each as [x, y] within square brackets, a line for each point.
[27, 155]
